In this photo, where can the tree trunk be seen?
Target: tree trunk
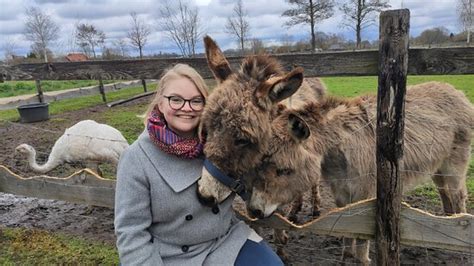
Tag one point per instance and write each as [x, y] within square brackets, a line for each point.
[358, 35]
[93, 51]
[141, 53]
[45, 54]
[313, 38]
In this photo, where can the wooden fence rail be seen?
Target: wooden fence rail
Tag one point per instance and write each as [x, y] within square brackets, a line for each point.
[418, 228]
[359, 63]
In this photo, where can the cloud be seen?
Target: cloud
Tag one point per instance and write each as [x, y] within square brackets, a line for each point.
[266, 23]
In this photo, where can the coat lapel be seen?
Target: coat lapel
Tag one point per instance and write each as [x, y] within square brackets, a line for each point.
[178, 173]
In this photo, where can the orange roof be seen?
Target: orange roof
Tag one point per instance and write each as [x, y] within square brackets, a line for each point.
[76, 57]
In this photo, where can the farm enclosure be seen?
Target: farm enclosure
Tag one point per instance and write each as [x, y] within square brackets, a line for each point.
[96, 224]
[51, 70]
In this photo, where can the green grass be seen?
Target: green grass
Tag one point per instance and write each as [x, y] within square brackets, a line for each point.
[36, 247]
[33, 247]
[15, 88]
[353, 86]
[126, 121]
[76, 103]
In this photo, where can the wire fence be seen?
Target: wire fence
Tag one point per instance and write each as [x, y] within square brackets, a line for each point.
[12, 162]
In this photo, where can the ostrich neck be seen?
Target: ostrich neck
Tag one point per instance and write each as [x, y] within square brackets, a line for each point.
[40, 168]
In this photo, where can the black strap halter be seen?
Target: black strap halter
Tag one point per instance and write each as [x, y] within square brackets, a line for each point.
[235, 185]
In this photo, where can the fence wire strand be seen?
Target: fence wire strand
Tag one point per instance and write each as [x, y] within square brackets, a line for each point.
[430, 141]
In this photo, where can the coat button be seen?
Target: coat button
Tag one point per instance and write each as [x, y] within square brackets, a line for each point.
[215, 210]
[189, 217]
[185, 248]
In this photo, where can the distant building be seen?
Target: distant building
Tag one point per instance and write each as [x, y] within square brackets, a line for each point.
[76, 57]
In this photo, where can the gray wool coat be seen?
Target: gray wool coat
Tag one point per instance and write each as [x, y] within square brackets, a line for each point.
[158, 218]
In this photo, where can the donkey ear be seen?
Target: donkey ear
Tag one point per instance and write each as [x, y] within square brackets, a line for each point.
[297, 127]
[280, 88]
[216, 60]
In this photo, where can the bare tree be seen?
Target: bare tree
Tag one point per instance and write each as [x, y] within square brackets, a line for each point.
[138, 34]
[182, 25]
[40, 29]
[9, 46]
[238, 26]
[38, 50]
[120, 45]
[466, 16]
[88, 37]
[358, 14]
[257, 46]
[309, 12]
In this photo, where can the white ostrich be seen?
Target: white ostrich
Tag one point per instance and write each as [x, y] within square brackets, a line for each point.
[85, 141]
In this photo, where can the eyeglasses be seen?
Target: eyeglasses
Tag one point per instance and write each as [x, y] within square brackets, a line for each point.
[177, 103]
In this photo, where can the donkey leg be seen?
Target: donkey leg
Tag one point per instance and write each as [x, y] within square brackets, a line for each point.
[347, 249]
[362, 251]
[295, 208]
[281, 239]
[453, 192]
[451, 179]
[316, 200]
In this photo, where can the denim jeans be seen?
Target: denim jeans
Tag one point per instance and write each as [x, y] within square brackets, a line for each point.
[257, 254]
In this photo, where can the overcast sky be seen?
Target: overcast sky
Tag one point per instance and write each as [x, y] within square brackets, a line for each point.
[266, 23]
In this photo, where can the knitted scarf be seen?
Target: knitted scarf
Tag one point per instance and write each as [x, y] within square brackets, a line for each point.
[168, 141]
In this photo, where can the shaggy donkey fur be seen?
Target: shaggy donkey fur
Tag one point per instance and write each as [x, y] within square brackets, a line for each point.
[237, 117]
[335, 140]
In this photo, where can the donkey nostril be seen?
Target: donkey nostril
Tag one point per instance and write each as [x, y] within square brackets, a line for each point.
[257, 214]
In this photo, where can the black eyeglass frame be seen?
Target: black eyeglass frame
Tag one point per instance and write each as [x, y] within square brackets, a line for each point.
[184, 102]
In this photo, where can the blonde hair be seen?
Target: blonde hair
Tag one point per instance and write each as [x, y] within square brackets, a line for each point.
[173, 73]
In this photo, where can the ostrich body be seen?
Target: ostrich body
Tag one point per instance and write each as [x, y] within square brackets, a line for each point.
[85, 141]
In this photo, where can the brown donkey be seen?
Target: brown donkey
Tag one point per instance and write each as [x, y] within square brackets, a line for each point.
[237, 117]
[335, 140]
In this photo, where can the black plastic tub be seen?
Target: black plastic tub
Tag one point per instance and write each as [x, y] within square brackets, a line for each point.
[33, 112]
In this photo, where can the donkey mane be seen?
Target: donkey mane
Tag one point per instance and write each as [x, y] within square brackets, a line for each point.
[260, 67]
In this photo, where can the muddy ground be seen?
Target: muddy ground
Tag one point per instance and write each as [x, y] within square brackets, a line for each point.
[96, 223]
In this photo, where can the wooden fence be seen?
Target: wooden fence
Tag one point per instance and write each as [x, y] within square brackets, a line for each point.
[357, 63]
[401, 224]
[418, 228]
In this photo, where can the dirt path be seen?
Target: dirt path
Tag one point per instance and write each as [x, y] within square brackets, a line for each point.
[96, 223]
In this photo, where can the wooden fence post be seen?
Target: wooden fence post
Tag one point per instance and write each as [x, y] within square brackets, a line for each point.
[40, 91]
[144, 85]
[393, 65]
[101, 89]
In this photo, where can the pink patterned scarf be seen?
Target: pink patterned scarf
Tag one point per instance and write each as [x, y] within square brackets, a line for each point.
[170, 142]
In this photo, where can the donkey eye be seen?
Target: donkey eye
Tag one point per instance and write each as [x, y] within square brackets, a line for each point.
[242, 142]
[285, 171]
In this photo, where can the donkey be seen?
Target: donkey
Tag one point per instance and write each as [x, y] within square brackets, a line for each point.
[237, 117]
[334, 139]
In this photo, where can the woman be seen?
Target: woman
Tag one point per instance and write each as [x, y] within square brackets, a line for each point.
[158, 217]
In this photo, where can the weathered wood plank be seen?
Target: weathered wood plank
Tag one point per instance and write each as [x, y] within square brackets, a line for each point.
[81, 187]
[118, 102]
[393, 62]
[359, 63]
[417, 228]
